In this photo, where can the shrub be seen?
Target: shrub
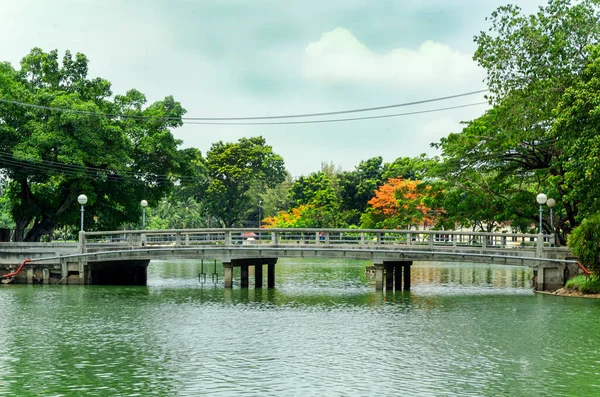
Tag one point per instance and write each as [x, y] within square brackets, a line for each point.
[583, 284]
[584, 240]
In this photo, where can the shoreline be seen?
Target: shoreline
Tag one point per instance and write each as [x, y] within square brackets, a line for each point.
[569, 294]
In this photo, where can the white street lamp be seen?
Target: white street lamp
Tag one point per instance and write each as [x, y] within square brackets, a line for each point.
[541, 199]
[259, 212]
[551, 203]
[82, 199]
[144, 204]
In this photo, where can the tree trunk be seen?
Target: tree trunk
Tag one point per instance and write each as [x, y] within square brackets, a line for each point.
[46, 226]
[20, 225]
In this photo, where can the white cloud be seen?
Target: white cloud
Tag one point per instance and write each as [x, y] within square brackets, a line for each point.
[339, 57]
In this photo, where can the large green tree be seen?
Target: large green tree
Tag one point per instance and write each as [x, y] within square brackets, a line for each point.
[509, 154]
[116, 150]
[233, 170]
[576, 133]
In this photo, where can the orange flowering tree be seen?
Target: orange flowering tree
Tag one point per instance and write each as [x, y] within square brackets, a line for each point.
[292, 218]
[399, 203]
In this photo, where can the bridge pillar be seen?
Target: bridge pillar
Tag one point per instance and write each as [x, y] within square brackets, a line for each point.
[398, 277]
[392, 272]
[244, 276]
[379, 277]
[258, 276]
[406, 266]
[389, 276]
[243, 264]
[64, 270]
[228, 274]
[271, 275]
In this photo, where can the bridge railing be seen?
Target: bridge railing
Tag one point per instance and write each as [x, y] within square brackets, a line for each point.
[319, 237]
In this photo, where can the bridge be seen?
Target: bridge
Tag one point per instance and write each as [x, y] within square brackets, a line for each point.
[121, 257]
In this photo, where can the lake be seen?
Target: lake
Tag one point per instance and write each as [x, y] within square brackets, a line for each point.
[463, 330]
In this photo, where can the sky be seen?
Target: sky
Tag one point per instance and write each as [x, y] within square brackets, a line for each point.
[238, 58]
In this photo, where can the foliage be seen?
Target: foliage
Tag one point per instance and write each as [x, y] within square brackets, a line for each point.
[575, 132]
[414, 168]
[233, 168]
[397, 204]
[358, 187]
[51, 157]
[546, 48]
[584, 240]
[583, 284]
[276, 199]
[294, 218]
[6, 221]
[508, 155]
[187, 214]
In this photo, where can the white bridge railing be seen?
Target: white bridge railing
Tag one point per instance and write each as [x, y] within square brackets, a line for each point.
[316, 237]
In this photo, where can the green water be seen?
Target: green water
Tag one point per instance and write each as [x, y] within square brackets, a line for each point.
[463, 330]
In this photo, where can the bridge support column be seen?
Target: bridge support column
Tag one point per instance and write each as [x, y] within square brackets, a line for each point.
[271, 275]
[389, 276]
[258, 276]
[406, 266]
[64, 270]
[398, 277]
[244, 264]
[228, 274]
[46, 275]
[379, 277]
[392, 272]
[244, 276]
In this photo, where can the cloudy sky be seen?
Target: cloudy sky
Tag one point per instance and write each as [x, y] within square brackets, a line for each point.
[236, 58]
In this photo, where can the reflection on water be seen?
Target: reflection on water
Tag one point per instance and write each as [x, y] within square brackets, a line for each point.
[463, 330]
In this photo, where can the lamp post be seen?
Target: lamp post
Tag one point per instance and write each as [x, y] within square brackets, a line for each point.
[551, 203]
[82, 199]
[144, 204]
[541, 199]
[259, 212]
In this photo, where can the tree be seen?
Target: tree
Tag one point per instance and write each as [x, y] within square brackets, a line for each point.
[116, 151]
[233, 168]
[575, 132]
[509, 153]
[358, 186]
[585, 242]
[414, 168]
[399, 203]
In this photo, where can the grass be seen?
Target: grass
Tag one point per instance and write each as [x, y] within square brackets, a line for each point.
[585, 285]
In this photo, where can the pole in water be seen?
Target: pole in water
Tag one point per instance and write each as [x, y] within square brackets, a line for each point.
[215, 276]
[201, 274]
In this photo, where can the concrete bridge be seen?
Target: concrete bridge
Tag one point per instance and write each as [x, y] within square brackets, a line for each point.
[121, 257]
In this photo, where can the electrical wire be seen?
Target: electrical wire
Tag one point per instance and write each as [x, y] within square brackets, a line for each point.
[6, 159]
[338, 120]
[124, 116]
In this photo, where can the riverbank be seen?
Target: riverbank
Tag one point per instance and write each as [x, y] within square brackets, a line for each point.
[569, 293]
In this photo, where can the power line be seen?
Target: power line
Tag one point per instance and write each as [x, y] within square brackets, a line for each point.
[6, 159]
[339, 111]
[337, 120]
[30, 105]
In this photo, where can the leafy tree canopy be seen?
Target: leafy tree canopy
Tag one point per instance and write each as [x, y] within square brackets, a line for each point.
[50, 157]
[233, 169]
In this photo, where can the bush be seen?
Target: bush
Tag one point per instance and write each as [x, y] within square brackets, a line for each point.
[584, 240]
[583, 284]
